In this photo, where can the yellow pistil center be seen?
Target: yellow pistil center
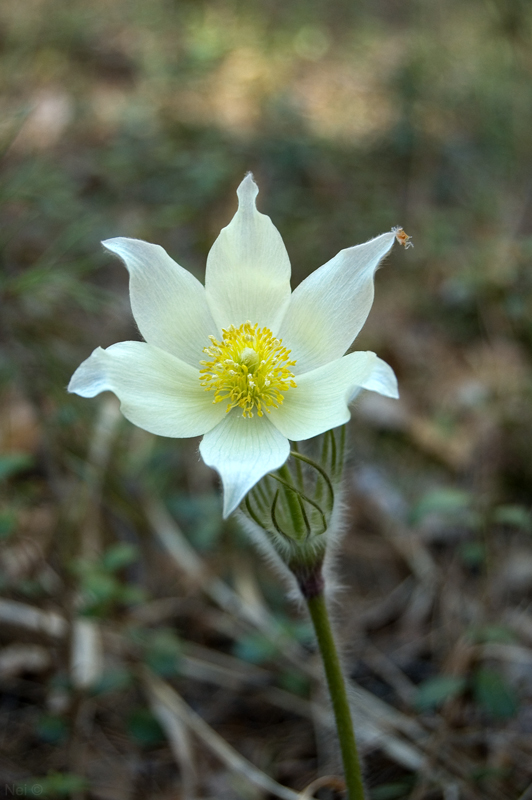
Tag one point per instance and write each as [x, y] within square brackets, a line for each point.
[249, 368]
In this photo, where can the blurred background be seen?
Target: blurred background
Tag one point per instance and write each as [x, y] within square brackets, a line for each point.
[127, 606]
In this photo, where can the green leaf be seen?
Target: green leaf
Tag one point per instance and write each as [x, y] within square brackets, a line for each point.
[100, 587]
[8, 522]
[112, 681]
[52, 729]
[392, 791]
[435, 691]
[447, 502]
[254, 648]
[294, 682]
[163, 653]
[55, 784]
[473, 554]
[494, 694]
[131, 595]
[119, 556]
[482, 774]
[29, 587]
[144, 728]
[12, 463]
[201, 518]
[492, 633]
[514, 515]
[300, 630]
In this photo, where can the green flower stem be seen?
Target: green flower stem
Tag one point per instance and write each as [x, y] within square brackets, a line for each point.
[337, 689]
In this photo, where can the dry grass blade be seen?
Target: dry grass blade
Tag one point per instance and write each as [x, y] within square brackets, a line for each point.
[186, 558]
[329, 781]
[175, 543]
[90, 494]
[86, 646]
[507, 652]
[199, 670]
[384, 716]
[180, 744]
[236, 674]
[161, 693]
[392, 674]
[378, 724]
[407, 544]
[527, 794]
[86, 654]
[16, 659]
[371, 736]
[21, 615]
[451, 792]
[520, 621]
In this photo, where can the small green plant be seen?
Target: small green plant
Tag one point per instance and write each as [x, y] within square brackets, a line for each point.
[101, 587]
[55, 785]
[434, 692]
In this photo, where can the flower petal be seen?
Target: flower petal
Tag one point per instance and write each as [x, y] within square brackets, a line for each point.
[243, 451]
[248, 269]
[168, 302]
[328, 309]
[382, 380]
[157, 391]
[320, 400]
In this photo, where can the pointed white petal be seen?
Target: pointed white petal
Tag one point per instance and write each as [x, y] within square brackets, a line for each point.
[320, 400]
[168, 302]
[328, 309]
[248, 270]
[243, 451]
[382, 380]
[157, 391]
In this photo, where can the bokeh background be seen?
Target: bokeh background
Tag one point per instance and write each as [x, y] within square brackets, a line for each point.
[123, 593]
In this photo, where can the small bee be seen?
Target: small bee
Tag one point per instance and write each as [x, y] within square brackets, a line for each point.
[402, 237]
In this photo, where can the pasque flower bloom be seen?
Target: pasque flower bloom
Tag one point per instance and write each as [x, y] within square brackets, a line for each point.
[243, 361]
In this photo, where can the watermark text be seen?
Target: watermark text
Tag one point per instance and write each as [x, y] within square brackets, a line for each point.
[23, 789]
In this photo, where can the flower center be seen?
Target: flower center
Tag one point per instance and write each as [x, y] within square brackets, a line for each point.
[249, 368]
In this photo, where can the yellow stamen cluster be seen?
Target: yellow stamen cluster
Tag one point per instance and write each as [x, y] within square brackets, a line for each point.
[249, 368]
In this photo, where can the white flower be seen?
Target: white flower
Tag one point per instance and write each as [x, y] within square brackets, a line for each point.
[243, 361]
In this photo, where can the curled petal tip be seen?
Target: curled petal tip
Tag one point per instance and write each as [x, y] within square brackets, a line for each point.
[113, 245]
[247, 191]
[90, 377]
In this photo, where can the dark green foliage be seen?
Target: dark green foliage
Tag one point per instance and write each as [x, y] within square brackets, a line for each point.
[434, 692]
[143, 727]
[494, 694]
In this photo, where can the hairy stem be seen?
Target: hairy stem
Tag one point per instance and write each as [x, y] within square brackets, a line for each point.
[337, 688]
